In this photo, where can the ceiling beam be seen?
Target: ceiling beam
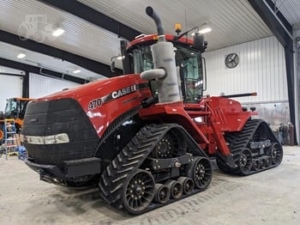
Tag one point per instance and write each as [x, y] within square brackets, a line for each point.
[283, 31]
[274, 19]
[95, 17]
[81, 61]
[37, 70]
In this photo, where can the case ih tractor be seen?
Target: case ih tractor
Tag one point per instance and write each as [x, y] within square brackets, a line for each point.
[146, 138]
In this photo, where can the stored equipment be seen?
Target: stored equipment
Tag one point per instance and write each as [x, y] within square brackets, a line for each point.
[146, 138]
[15, 109]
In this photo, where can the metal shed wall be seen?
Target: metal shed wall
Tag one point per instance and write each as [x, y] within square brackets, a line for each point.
[10, 87]
[40, 86]
[261, 69]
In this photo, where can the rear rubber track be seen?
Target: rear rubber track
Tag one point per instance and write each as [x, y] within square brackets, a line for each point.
[238, 142]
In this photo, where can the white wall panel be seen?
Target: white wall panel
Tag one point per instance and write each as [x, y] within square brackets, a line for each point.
[10, 86]
[261, 69]
[40, 86]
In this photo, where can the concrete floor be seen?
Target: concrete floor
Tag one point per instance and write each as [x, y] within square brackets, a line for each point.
[271, 197]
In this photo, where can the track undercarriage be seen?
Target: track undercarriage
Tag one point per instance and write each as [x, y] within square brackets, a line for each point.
[254, 149]
[161, 164]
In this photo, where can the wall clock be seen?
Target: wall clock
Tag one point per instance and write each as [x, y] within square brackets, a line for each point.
[232, 60]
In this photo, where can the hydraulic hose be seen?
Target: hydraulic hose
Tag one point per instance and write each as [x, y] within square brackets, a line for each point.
[150, 12]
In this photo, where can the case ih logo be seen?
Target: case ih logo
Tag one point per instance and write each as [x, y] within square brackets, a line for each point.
[95, 103]
[124, 91]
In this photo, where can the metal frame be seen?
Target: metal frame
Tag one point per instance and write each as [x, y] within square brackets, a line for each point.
[37, 70]
[283, 31]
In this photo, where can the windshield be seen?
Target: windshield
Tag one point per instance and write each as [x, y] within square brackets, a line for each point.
[190, 67]
[11, 106]
[15, 108]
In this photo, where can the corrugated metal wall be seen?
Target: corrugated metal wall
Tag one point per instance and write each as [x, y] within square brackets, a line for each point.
[40, 86]
[10, 87]
[261, 69]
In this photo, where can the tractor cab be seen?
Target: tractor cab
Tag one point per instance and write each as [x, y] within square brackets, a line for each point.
[15, 109]
[189, 63]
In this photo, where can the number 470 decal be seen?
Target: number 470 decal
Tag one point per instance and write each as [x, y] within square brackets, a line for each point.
[95, 103]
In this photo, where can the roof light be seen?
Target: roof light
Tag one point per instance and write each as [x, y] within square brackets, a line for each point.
[177, 28]
[58, 32]
[21, 56]
[76, 71]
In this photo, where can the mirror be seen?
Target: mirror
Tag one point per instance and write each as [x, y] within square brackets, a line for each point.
[112, 65]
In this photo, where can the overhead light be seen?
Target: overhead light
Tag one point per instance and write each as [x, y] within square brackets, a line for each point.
[120, 57]
[76, 71]
[205, 30]
[21, 56]
[58, 32]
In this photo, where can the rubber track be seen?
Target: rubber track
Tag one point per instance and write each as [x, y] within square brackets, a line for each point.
[128, 161]
[240, 141]
[115, 125]
[131, 158]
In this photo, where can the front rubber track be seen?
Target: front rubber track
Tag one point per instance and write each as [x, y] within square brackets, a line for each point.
[129, 160]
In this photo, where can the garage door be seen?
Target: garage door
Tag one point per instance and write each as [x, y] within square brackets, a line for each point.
[10, 87]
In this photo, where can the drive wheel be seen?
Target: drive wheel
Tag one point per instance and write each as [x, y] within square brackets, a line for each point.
[201, 172]
[276, 153]
[245, 161]
[171, 145]
[138, 192]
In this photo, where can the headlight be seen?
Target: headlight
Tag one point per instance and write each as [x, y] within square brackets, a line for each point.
[47, 140]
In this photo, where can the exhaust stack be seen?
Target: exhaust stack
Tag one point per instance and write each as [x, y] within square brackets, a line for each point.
[165, 72]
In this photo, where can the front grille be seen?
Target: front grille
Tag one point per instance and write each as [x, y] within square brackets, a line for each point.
[54, 117]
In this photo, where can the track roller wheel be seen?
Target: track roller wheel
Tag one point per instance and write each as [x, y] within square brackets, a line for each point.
[162, 193]
[276, 153]
[245, 161]
[268, 162]
[138, 192]
[264, 163]
[200, 170]
[175, 188]
[256, 164]
[187, 184]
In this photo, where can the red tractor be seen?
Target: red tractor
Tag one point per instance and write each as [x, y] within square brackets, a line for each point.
[146, 138]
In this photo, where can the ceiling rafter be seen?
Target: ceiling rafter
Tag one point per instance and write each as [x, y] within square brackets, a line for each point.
[86, 63]
[37, 70]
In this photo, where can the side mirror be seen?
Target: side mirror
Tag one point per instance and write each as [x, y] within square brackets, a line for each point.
[112, 65]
